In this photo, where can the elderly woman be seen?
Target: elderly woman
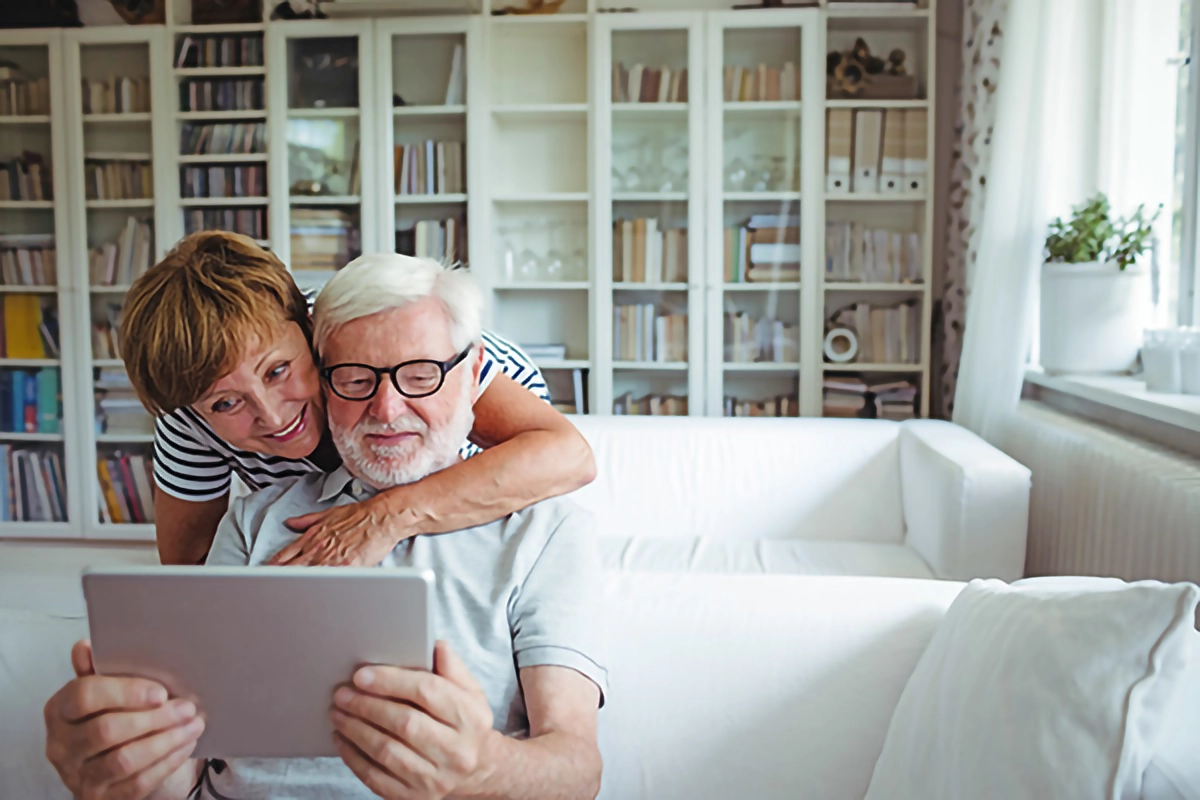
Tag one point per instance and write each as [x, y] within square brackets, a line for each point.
[218, 343]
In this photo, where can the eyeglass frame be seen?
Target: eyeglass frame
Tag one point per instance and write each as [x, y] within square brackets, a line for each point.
[443, 366]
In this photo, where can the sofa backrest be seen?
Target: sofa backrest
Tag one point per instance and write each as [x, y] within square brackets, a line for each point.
[745, 478]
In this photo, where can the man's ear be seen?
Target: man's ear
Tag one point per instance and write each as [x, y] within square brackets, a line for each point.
[476, 370]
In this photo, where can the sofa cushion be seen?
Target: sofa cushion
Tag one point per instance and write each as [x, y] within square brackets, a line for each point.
[780, 556]
[745, 478]
[35, 661]
[1053, 687]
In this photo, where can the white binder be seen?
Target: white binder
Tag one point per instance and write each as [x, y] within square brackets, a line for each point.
[868, 135]
[891, 171]
[839, 140]
[916, 169]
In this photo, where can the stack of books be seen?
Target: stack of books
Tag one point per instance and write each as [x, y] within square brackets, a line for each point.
[642, 333]
[32, 486]
[28, 326]
[118, 263]
[107, 178]
[220, 51]
[28, 260]
[885, 335]
[643, 252]
[105, 341]
[442, 240]
[856, 253]
[429, 168]
[778, 406]
[748, 84]
[126, 488]
[118, 409]
[749, 340]
[764, 249]
[852, 397]
[642, 84]
[323, 238]
[658, 405]
[249, 181]
[223, 138]
[116, 96]
[26, 177]
[25, 97]
[30, 400]
[221, 95]
[249, 221]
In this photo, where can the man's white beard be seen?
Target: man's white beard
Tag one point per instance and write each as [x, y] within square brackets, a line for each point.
[383, 467]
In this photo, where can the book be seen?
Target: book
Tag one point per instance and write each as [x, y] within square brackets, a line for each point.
[456, 85]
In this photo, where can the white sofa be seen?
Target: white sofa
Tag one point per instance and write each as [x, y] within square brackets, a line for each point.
[919, 499]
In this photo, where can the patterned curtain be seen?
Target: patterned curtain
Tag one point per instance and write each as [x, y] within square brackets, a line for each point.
[970, 157]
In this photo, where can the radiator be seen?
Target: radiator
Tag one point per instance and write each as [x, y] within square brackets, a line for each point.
[1104, 503]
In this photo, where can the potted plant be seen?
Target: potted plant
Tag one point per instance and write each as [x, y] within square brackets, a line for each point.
[1095, 296]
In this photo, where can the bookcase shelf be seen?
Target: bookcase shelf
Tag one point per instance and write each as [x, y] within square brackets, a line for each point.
[26, 204]
[215, 28]
[876, 197]
[219, 72]
[884, 104]
[851, 366]
[903, 288]
[762, 197]
[135, 202]
[219, 202]
[531, 286]
[119, 118]
[125, 438]
[544, 197]
[29, 362]
[226, 158]
[760, 366]
[9, 436]
[25, 119]
[428, 199]
[217, 116]
[323, 113]
[6, 289]
[783, 286]
[431, 112]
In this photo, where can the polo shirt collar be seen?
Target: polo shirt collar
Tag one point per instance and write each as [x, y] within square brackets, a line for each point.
[339, 482]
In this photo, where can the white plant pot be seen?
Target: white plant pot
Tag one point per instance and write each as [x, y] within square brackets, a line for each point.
[1092, 316]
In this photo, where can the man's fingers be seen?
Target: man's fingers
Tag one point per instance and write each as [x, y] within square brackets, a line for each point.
[427, 736]
[143, 784]
[372, 775]
[393, 755]
[431, 693]
[85, 697]
[131, 758]
[107, 731]
[448, 665]
[81, 658]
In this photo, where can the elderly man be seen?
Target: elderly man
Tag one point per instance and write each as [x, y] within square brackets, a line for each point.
[514, 716]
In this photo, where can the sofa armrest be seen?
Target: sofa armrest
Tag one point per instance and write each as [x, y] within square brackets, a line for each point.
[966, 504]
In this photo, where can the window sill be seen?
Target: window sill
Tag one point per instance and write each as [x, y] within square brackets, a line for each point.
[1126, 394]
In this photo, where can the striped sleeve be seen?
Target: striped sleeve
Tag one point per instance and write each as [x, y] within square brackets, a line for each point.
[501, 355]
[185, 467]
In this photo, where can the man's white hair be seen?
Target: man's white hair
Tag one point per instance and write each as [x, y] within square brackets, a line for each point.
[383, 281]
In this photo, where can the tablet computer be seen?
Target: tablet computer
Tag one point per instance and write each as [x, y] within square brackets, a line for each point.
[260, 650]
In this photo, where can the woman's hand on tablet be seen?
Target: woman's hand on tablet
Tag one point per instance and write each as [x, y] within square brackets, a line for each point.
[120, 738]
[414, 734]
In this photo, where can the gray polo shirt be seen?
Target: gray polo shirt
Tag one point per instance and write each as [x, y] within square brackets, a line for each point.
[523, 591]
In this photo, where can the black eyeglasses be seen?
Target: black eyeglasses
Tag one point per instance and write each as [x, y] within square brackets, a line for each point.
[419, 378]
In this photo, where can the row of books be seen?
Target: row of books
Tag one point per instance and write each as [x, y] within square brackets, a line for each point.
[105, 341]
[643, 252]
[850, 396]
[429, 168]
[225, 181]
[249, 221]
[885, 335]
[26, 177]
[116, 95]
[762, 83]
[578, 402]
[856, 253]
[28, 260]
[658, 405]
[28, 326]
[126, 488]
[118, 263]
[221, 95]
[764, 249]
[876, 151]
[642, 333]
[30, 400]
[784, 405]
[32, 486]
[118, 410]
[642, 84]
[223, 138]
[442, 240]
[117, 180]
[25, 98]
[749, 340]
[220, 51]
[323, 238]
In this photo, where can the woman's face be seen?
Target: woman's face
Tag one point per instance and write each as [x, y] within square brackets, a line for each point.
[271, 402]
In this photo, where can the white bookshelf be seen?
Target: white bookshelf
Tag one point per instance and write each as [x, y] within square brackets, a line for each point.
[541, 133]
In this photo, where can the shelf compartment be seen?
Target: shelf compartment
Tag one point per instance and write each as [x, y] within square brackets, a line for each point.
[531, 63]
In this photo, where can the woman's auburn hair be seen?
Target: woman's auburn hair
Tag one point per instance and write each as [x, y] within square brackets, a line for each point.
[187, 320]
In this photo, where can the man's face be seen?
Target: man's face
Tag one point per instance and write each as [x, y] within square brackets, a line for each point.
[391, 439]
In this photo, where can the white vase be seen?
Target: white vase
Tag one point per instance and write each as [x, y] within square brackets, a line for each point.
[1092, 316]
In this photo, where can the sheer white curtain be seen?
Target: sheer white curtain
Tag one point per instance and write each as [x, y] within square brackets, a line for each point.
[1043, 160]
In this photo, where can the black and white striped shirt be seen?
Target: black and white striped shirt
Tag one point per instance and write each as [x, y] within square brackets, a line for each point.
[192, 463]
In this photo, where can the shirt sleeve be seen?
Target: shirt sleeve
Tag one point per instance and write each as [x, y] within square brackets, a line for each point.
[557, 618]
[501, 355]
[184, 467]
